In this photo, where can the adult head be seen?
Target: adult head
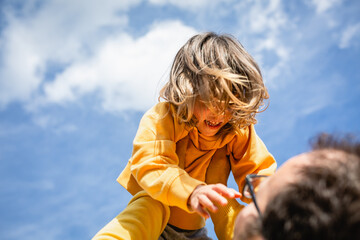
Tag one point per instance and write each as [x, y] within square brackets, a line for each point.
[314, 195]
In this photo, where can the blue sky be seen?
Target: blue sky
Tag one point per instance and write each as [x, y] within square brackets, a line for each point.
[76, 76]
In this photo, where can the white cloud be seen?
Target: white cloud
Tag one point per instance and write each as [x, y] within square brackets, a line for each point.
[324, 5]
[266, 16]
[87, 41]
[190, 5]
[56, 125]
[291, 48]
[349, 35]
[20, 62]
[126, 72]
[58, 31]
[266, 22]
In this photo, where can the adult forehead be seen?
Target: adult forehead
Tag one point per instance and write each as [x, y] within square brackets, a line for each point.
[295, 163]
[286, 174]
[316, 157]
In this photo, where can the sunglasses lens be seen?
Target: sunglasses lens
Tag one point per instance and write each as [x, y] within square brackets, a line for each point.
[255, 182]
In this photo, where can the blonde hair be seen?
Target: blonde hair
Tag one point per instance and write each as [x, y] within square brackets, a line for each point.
[217, 70]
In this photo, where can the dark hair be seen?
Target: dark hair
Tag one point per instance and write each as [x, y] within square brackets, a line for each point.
[325, 202]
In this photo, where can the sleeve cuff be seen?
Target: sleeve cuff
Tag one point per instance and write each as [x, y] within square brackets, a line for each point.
[181, 189]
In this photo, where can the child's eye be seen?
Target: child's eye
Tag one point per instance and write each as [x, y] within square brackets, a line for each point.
[231, 107]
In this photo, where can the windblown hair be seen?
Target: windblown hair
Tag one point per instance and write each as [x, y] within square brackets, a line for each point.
[217, 70]
[325, 202]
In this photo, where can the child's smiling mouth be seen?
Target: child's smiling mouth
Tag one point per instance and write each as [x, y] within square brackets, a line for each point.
[212, 124]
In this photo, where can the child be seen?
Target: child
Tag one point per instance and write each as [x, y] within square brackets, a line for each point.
[186, 146]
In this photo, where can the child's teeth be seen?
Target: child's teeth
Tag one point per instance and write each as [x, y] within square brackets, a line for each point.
[212, 123]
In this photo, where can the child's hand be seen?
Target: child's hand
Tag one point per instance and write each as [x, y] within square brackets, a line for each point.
[204, 197]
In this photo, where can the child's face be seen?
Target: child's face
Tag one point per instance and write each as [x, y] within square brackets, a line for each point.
[209, 122]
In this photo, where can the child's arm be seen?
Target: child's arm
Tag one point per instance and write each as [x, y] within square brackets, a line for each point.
[154, 162]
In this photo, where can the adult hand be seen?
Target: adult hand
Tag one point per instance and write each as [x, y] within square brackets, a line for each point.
[205, 197]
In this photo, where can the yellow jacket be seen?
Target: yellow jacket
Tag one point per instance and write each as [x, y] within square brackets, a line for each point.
[170, 159]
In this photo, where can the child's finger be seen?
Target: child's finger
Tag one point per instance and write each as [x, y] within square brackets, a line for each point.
[225, 191]
[202, 211]
[236, 193]
[207, 203]
[216, 197]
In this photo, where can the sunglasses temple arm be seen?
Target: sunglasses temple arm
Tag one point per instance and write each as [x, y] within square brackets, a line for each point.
[254, 200]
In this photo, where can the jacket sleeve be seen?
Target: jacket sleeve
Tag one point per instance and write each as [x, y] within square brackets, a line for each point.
[154, 162]
[249, 155]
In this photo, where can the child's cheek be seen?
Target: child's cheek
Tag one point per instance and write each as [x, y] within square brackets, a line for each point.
[228, 116]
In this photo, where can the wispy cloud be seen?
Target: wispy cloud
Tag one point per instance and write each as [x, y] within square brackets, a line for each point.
[58, 31]
[324, 5]
[350, 36]
[191, 5]
[97, 55]
[125, 73]
[263, 25]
